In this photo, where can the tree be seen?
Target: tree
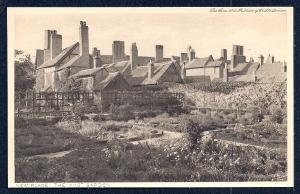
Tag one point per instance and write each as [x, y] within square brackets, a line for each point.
[24, 72]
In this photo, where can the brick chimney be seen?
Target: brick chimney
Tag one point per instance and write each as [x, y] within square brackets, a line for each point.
[55, 44]
[191, 54]
[261, 60]
[183, 57]
[254, 76]
[133, 55]
[118, 50]
[96, 58]
[224, 54]
[52, 44]
[83, 39]
[159, 53]
[150, 69]
[183, 72]
[225, 73]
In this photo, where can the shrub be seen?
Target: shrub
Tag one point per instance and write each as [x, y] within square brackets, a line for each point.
[226, 112]
[277, 116]
[79, 109]
[194, 132]
[98, 118]
[123, 112]
[145, 114]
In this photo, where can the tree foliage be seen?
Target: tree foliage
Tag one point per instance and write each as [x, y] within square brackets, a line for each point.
[24, 72]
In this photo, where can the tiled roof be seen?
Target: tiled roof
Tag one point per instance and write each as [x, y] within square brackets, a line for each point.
[87, 72]
[69, 63]
[56, 60]
[214, 64]
[198, 62]
[118, 66]
[159, 70]
[101, 85]
[139, 75]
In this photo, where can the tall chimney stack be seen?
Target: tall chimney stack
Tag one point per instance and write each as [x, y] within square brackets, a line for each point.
[183, 72]
[118, 50]
[183, 57]
[133, 55]
[191, 54]
[261, 60]
[159, 53]
[225, 73]
[96, 58]
[55, 43]
[83, 39]
[150, 69]
[224, 54]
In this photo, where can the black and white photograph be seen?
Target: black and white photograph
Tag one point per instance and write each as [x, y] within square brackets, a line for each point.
[133, 97]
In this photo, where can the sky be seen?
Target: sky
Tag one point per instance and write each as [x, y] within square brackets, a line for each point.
[206, 32]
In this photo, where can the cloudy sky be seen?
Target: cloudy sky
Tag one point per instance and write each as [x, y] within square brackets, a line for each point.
[206, 32]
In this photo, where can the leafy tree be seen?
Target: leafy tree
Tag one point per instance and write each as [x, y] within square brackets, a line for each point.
[24, 72]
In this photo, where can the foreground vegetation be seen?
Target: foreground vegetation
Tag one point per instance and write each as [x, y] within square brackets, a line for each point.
[228, 144]
[195, 157]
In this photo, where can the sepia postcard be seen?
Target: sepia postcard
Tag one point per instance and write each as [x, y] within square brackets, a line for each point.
[150, 97]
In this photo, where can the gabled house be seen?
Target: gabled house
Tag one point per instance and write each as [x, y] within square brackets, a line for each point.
[56, 65]
[204, 69]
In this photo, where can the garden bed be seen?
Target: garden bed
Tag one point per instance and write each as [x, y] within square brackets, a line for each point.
[267, 134]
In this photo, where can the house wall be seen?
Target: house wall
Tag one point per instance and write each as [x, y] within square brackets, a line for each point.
[39, 57]
[212, 72]
[49, 77]
[40, 77]
[88, 83]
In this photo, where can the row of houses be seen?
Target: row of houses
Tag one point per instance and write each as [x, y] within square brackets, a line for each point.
[56, 67]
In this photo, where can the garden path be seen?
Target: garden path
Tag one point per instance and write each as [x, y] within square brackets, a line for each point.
[166, 137]
[51, 155]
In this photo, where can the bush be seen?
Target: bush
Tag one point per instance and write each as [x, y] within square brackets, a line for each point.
[195, 132]
[98, 118]
[277, 116]
[257, 116]
[79, 109]
[123, 112]
[145, 114]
